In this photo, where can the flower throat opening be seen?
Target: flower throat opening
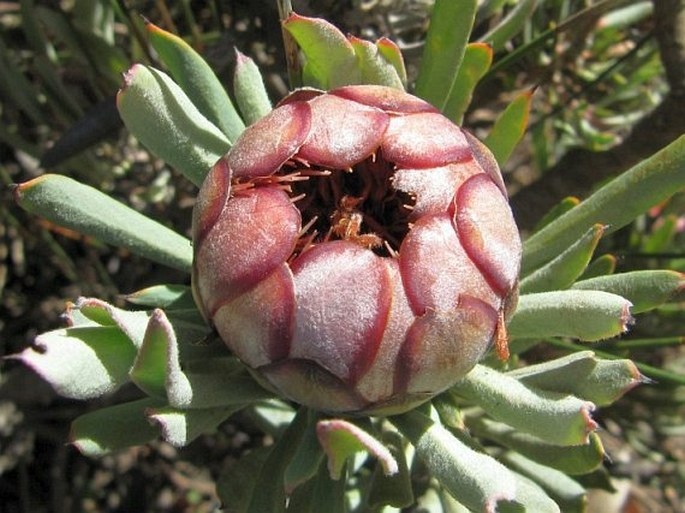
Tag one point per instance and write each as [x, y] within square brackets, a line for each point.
[359, 204]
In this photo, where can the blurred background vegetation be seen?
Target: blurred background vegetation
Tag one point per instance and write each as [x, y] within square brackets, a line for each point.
[609, 80]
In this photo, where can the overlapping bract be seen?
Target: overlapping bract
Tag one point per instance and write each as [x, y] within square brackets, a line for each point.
[356, 249]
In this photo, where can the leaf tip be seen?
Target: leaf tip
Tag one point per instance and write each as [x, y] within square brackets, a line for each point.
[590, 425]
[627, 319]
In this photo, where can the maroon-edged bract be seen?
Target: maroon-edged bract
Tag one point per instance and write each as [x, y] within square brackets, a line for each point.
[356, 250]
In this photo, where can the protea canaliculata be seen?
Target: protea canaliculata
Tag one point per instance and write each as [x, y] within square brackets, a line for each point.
[356, 250]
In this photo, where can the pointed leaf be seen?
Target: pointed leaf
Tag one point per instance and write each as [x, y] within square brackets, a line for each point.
[331, 61]
[374, 67]
[180, 427]
[571, 459]
[557, 211]
[615, 204]
[86, 210]
[478, 480]
[600, 266]
[583, 375]
[509, 127]
[650, 372]
[561, 272]
[341, 440]
[83, 362]
[511, 25]
[116, 427]
[477, 61]
[250, 92]
[158, 371]
[554, 417]
[157, 111]
[566, 492]
[190, 71]
[588, 315]
[393, 55]
[448, 34]
[645, 289]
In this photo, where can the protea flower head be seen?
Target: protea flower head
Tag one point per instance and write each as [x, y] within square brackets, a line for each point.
[356, 250]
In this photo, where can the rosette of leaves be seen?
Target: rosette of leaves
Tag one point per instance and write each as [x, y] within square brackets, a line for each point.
[503, 438]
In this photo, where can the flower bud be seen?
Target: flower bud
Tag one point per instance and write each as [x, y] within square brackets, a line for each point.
[356, 250]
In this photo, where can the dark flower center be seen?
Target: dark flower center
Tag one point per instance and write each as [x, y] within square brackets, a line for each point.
[359, 204]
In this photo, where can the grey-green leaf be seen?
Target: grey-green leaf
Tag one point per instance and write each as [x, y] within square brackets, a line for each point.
[478, 480]
[566, 492]
[584, 375]
[588, 315]
[180, 427]
[158, 371]
[250, 92]
[645, 289]
[571, 459]
[197, 79]
[79, 207]
[82, 362]
[554, 417]
[616, 204]
[562, 271]
[157, 111]
[116, 427]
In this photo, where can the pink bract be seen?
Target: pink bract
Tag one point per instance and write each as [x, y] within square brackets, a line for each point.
[355, 249]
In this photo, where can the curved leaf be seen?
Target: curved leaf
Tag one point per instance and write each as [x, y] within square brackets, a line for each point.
[393, 55]
[71, 204]
[588, 315]
[180, 427]
[82, 362]
[196, 78]
[374, 67]
[561, 272]
[250, 92]
[615, 204]
[478, 480]
[645, 289]
[341, 439]
[157, 111]
[566, 492]
[116, 427]
[554, 417]
[571, 459]
[158, 371]
[331, 61]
